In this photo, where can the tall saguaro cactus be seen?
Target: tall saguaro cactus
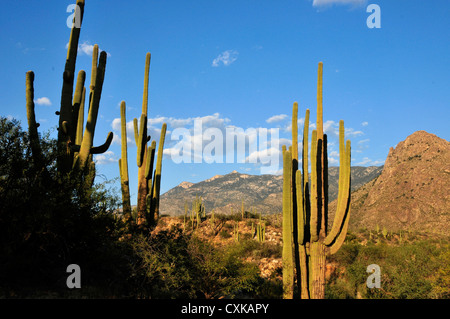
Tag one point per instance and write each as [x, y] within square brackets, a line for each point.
[141, 138]
[305, 202]
[32, 124]
[123, 166]
[149, 180]
[75, 148]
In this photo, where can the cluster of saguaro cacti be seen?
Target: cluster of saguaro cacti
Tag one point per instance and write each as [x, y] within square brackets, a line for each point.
[198, 212]
[306, 238]
[261, 231]
[236, 233]
[149, 178]
[75, 147]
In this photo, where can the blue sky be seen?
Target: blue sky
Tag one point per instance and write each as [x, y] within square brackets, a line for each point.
[239, 64]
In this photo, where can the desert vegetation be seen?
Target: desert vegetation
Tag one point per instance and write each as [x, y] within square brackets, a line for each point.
[55, 210]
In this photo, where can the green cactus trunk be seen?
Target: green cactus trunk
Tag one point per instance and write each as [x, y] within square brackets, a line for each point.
[306, 203]
[156, 188]
[65, 157]
[142, 151]
[36, 151]
[287, 253]
[123, 166]
[149, 180]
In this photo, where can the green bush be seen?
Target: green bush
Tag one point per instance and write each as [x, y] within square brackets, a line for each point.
[48, 221]
[413, 270]
[175, 265]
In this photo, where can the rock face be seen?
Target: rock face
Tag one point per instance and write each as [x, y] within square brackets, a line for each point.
[413, 190]
[225, 193]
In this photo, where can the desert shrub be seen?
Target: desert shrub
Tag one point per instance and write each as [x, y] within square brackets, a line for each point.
[413, 270]
[49, 221]
[224, 234]
[172, 264]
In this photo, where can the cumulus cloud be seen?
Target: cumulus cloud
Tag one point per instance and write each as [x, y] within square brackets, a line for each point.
[368, 162]
[105, 158]
[225, 58]
[86, 48]
[276, 118]
[332, 128]
[43, 101]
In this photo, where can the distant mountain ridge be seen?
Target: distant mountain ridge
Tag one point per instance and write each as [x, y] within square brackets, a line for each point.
[225, 193]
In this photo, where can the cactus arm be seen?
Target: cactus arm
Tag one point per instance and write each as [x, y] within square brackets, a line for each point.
[88, 135]
[343, 195]
[104, 147]
[305, 157]
[123, 138]
[314, 196]
[80, 119]
[146, 76]
[149, 163]
[343, 233]
[320, 102]
[341, 237]
[157, 176]
[287, 254]
[324, 225]
[341, 157]
[77, 100]
[141, 140]
[295, 132]
[300, 208]
[64, 161]
[94, 70]
[136, 131]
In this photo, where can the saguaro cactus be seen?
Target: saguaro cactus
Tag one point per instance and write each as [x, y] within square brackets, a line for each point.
[32, 125]
[156, 186]
[65, 157]
[75, 150]
[123, 166]
[141, 138]
[305, 202]
[149, 180]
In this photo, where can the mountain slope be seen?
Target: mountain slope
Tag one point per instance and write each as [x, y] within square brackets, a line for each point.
[413, 190]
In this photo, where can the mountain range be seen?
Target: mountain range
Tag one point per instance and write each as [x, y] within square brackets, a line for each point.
[225, 193]
[410, 192]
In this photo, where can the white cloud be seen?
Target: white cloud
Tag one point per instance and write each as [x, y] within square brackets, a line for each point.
[105, 158]
[86, 48]
[318, 3]
[43, 101]
[364, 141]
[332, 128]
[367, 161]
[276, 118]
[364, 123]
[213, 120]
[332, 161]
[226, 58]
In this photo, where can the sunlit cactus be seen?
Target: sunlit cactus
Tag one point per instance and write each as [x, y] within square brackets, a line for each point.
[305, 206]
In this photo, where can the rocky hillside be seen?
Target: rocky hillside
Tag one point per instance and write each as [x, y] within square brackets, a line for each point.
[225, 193]
[413, 190]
